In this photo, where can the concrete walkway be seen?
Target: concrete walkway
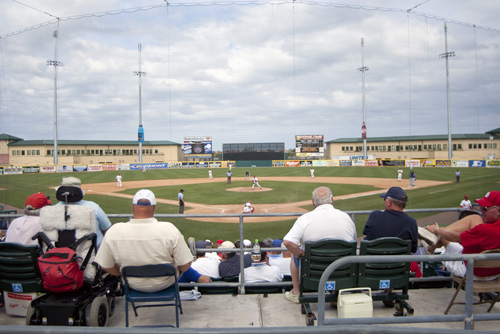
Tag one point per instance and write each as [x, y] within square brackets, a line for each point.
[254, 311]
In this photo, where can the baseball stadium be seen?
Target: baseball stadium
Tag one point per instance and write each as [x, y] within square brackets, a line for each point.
[228, 105]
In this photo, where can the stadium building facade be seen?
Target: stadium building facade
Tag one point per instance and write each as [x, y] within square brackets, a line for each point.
[464, 146]
[15, 151]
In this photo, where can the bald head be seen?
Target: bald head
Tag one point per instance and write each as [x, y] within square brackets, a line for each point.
[322, 195]
[143, 210]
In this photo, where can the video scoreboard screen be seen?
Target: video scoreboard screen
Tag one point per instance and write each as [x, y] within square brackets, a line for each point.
[309, 146]
[198, 147]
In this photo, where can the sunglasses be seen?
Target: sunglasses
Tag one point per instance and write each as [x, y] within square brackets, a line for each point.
[486, 208]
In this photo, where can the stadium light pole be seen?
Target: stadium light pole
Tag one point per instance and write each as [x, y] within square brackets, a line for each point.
[55, 63]
[363, 69]
[141, 128]
[447, 55]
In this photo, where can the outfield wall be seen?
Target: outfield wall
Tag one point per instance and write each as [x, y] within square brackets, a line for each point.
[437, 163]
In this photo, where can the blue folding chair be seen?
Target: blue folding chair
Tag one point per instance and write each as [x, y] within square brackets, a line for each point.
[170, 294]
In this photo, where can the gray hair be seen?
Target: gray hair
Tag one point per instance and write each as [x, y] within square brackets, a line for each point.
[322, 195]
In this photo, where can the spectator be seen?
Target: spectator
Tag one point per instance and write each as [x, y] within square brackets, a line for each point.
[192, 275]
[324, 222]
[74, 185]
[230, 265]
[144, 240]
[469, 235]
[277, 259]
[208, 266]
[392, 222]
[261, 271]
[23, 228]
[466, 204]
[213, 255]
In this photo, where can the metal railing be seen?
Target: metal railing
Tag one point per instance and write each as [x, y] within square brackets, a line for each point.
[468, 317]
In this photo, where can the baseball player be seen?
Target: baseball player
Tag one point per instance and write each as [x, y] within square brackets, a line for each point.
[466, 203]
[248, 208]
[400, 174]
[229, 174]
[119, 180]
[210, 174]
[255, 182]
[312, 172]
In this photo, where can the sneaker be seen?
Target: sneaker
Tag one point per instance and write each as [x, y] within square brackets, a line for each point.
[427, 236]
[291, 297]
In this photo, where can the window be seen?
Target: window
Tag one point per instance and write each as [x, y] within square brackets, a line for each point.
[433, 147]
[454, 147]
[156, 151]
[485, 145]
[439, 147]
[470, 146]
[14, 152]
[22, 152]
[37, 152]
[459, 146]
[478, 145]
[445, 146]
[475, 146]
[29, 152]
[420, 147]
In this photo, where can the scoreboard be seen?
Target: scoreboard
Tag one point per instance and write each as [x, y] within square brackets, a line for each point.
[309, 146]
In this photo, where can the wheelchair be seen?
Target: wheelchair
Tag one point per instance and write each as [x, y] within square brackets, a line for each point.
[91, 305]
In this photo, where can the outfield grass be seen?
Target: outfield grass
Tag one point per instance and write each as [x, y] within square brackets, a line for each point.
[474, 181]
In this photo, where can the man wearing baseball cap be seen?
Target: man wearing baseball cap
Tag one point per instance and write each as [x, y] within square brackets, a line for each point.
[23, 228]
[72, 186]
[144, 240]
[470, 235]
[392, 222]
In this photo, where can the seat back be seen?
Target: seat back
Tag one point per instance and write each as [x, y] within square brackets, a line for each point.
[318, 256]
[18, 268]
[484, 264]
[64, 224]
[149, 270]
[378, 276]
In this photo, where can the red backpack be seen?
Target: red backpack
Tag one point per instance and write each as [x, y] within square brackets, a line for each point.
[60, 270]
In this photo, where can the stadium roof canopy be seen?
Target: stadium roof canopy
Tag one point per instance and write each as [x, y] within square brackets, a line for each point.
[415, 138]
[21, 142]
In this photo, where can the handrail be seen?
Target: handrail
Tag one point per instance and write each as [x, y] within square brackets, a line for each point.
[468, 317]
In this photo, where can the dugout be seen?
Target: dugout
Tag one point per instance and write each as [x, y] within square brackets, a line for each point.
[253, 154]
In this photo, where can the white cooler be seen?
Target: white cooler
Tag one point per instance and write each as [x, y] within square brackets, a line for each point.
[355, 305]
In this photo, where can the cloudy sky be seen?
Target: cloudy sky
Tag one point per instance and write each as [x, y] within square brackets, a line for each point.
[245, 71]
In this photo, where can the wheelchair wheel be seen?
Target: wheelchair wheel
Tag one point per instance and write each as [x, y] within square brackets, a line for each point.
[30, 315]
[99, 311]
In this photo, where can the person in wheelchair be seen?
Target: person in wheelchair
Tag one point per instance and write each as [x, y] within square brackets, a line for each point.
[141, 241]
[72, 187]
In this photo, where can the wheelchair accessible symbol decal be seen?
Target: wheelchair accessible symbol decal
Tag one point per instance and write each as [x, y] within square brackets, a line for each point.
[385, 284]
[16, 287]
[330, 286]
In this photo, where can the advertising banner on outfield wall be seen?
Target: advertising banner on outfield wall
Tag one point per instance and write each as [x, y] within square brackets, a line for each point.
[319, 163]
[214, 164]
[48, 169]
[443, 163]
[477, 163]
[391, 163]
[31, 169]
[202, 164]
[493, 163]
[80, 168]
[412, 163]
[64, 169]
[358, 163]
[306, 164]
[175, 165]
[94, 168]
[292, 163]
[427, 163]
[345, 163]
[109, 167]
[123, 167]
[12, 170]
[188, 165]
[158, 165]
[371, 163]
[332, 163]
[278, 163]
[1, 171]
[460, 163]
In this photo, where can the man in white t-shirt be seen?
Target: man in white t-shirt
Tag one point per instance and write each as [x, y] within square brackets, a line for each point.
[324, 222]
[466, 203]
[144, 240]
[208, 266]
[260, 270]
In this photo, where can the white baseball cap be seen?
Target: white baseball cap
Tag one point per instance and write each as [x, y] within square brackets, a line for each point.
[144, 194]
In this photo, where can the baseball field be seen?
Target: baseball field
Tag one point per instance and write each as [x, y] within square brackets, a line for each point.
[284, 190]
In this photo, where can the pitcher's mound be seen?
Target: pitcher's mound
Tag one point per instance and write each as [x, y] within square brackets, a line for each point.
[248, 189]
